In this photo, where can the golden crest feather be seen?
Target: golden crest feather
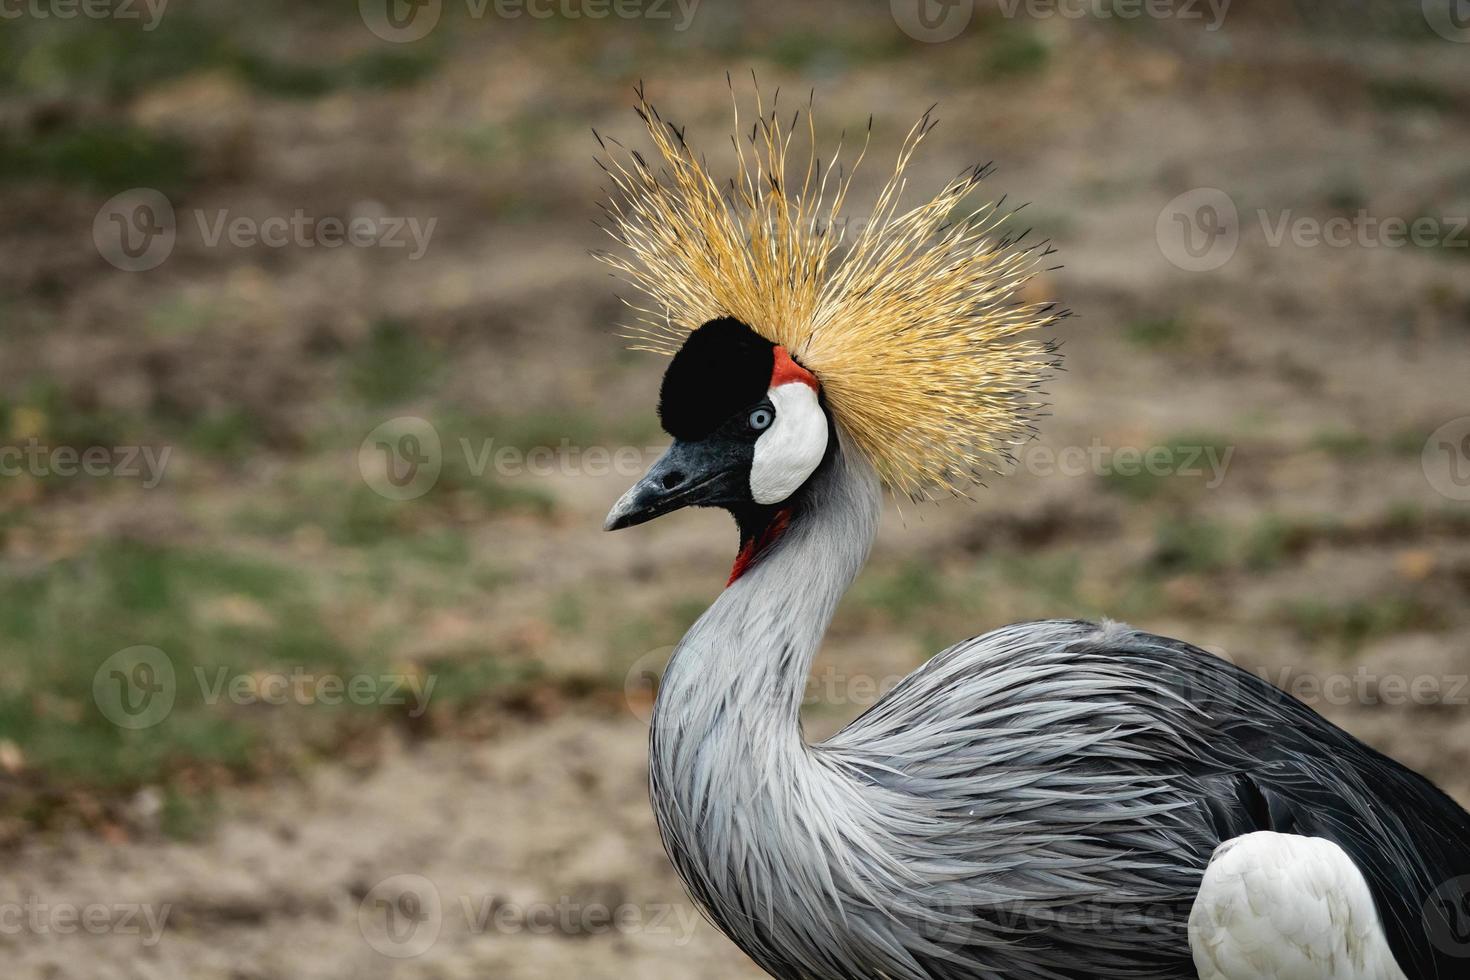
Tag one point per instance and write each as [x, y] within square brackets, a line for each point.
[913, 323]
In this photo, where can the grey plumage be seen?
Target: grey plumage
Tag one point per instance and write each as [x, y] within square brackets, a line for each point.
[1037, 802]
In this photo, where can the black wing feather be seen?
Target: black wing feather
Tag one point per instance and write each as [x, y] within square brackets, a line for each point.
[1277, 765]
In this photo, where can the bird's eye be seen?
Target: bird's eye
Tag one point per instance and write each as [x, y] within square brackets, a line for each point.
[762, 418]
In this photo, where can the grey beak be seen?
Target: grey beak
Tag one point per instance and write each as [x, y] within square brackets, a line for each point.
[633, 507]
[688, 474]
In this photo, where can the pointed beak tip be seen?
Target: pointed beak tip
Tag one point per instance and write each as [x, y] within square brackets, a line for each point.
[624, 511]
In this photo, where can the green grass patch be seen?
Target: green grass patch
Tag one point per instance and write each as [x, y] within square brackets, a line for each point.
[1343, 444]
[1189, 546]
[1154, 333]
[465, 678]
[568, 612]
[204, 610]
[1408, 443]
[1411, 93]
[104, 157]
[900, 595]
[116, 59]
[1274, 540]
[106, 57]
[392, 364]
[812, 51]
[1013, 52]
[173, 635]
[1182, 463]
[373, 69]
[1346, 196]
[66, 420]
[1349, 625]
[227, 433]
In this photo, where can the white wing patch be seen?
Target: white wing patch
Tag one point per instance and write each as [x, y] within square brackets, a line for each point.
[1284, 907]
[788, 452]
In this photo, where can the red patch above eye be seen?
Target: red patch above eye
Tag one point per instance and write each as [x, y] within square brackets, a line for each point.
[786, 370]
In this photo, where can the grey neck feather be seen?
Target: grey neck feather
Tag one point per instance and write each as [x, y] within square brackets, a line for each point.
[727, 753]
[743, 667]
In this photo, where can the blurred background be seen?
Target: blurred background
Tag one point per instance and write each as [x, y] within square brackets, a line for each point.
[315, 661]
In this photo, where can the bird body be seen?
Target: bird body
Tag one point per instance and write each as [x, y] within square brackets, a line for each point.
[1040, 801]
[1056, 800]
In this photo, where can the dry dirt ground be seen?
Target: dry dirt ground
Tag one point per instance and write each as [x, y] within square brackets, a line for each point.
[518, 844]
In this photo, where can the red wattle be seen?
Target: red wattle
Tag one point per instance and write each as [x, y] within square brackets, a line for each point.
[759, 543]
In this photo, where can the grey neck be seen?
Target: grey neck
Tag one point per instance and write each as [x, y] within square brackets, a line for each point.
[743, 667]
[726, 751]
[760, 825]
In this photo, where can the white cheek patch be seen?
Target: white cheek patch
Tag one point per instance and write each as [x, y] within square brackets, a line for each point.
[788, 452]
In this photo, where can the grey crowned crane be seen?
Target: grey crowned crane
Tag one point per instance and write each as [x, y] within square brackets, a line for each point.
[1054, 799]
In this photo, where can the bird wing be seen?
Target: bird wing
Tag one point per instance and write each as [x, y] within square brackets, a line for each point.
[1287, 907]
[1276, 765]
[1107, 721]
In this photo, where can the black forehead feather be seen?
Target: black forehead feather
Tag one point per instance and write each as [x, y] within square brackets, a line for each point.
[723, 367]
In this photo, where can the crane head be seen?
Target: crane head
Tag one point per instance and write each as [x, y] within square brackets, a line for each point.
[748, 423]
[919, 319]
